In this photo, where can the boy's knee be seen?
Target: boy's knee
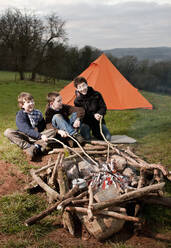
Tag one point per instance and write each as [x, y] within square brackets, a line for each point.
[8, 132]
[85, 126]
[108, 137]
[57, 117]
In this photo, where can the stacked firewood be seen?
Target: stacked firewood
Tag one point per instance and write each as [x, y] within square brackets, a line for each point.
[97, 183]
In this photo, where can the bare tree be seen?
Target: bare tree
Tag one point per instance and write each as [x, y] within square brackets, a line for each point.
[20, 34]
[26, 38]
[53, 33]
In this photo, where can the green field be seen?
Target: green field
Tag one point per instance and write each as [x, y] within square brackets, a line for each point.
[151, 129]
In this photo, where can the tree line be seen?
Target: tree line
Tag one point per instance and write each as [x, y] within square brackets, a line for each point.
[37, 45]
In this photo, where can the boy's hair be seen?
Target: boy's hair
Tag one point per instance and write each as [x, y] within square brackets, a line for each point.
[24, 96]
[51, 96]
[79, 80]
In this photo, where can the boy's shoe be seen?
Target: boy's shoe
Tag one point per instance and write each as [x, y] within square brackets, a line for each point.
[79, 138]
[41, 145]
[31, 152]
[70, 142]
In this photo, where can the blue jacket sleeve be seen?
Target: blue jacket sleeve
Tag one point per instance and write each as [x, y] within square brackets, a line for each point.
[23, 125]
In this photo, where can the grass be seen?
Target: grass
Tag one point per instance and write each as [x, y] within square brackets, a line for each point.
[14, 210]
[151, 129]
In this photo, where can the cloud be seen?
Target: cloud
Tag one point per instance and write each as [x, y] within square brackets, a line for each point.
[135, 24]
[107, 24]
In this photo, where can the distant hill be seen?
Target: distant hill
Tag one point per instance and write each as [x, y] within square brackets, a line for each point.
[151, 53]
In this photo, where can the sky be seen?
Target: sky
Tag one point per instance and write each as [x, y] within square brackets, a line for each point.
[106, 24]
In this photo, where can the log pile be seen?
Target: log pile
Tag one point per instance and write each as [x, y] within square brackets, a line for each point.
[97, 183]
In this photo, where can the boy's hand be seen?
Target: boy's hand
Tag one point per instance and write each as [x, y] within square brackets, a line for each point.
[76, 123]
[63, 133]
[97, 116]
[44, 138]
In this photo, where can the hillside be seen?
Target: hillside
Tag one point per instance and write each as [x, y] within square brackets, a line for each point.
[151, 129]
[151, 53]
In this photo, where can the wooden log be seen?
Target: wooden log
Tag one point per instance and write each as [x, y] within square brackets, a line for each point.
[62, 179]
[40, 216]
[64, 188]
[89, 212]
[81, 201]
[104, 152]
[128, 196]
[66, 201]
[146, 165]
[71, 192]
[53, 179]
[156, 200]
[141, 183]
[49, 210]
[52, 193]
[77, 149]
[133, 159]
[104, 212]
[50, 164]
[158, 177]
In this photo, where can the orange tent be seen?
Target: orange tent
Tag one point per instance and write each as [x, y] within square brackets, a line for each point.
[117, 92]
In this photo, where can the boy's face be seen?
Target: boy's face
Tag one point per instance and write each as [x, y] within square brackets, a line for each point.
[82, 88]
[57, 104]
[28, 105]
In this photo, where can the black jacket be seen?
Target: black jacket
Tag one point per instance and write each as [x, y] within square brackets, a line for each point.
[92, 103]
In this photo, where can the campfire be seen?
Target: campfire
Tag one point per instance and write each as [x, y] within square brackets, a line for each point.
[97, 183]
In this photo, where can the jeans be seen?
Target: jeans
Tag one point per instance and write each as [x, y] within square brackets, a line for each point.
[60, 123]
[85, 132]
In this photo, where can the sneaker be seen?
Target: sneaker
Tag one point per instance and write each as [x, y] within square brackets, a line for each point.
[70, 142]
[41, 145]
[79, 138]
[31, 152]
[40, 148]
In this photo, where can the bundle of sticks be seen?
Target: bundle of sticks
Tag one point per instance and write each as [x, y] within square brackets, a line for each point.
[72, 199]
[69, 199]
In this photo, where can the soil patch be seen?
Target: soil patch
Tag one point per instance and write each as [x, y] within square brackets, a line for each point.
[11, 179]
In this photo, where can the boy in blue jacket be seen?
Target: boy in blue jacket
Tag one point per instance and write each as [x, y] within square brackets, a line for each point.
[30, 135]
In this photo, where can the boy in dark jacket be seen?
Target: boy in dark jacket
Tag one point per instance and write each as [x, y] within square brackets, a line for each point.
[95, 108]
[30, 135]
[65, 119]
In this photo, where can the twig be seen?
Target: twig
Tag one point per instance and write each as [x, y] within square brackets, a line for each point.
[94, 162]
[65, 146]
